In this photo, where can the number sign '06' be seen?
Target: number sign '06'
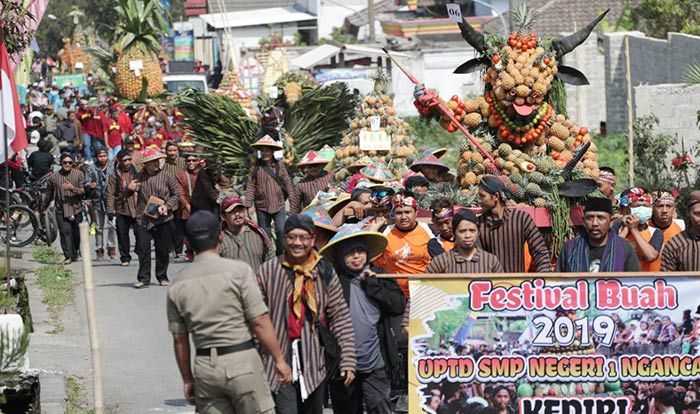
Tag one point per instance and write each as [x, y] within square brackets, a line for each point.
[553, 345]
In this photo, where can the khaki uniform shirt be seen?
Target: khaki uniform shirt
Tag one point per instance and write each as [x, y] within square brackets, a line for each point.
[212, 299]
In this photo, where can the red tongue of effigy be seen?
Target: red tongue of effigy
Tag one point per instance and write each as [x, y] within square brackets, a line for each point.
[523, 110]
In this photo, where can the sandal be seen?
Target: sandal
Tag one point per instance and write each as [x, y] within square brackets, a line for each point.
[67, 262]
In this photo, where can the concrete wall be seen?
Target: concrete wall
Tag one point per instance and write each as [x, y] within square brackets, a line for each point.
[586, 104]
[652, 62]
[676, 106]
[434, 68]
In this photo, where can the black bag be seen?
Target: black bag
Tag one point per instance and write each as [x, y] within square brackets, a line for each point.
[331, 349]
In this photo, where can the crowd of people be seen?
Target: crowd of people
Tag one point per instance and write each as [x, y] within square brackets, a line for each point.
[307, 287]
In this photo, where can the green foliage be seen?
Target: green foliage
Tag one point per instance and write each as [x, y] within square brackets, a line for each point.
[338, 35]
[557, 97]
[141, 24]
[651, 154]
[46, 255]
[15, 20]
[427, 133]
[659, 17]
[624, 22]
[98, 13]
[76, 398]
[612, 152]
[56, 283]
[447, 322]
[692, 76]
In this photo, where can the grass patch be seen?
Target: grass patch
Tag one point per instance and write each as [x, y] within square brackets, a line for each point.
[56, 283]
[76, 399]
[46, 255]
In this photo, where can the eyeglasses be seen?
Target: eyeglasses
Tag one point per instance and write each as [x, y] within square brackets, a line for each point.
[126, 159]
[301, 237]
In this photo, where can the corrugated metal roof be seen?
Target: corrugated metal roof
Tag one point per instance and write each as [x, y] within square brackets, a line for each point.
[274, 15]
[323, 52]
[241, 5]
[361, 18]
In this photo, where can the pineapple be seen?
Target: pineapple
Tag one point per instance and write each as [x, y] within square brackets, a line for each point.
[533, 190]
[139, 30]
[292, 92]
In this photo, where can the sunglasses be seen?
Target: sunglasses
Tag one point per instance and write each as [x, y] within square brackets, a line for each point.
[67, 162]
[126, 159]
[192, 160]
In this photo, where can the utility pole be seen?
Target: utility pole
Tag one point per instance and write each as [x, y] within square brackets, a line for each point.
[370, 17]
[510, 15]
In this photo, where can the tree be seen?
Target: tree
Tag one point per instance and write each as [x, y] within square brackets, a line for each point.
[651, 154]
[99, 14]
[14, 21]
[658, 17]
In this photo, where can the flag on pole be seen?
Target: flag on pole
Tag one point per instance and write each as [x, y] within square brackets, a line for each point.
[11, 119]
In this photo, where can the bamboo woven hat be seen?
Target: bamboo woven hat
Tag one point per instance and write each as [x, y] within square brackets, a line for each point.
[312, 158]
[430, 161]
[378, 173]
[150, 154]
[320, 217]
[374, 242]
[267, 142]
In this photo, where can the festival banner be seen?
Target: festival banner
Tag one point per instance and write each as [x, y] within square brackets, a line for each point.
[569, 345]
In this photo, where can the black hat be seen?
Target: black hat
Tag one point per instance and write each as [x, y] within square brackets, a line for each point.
[299, 222]
[492, 184]
[201, 225]
[464, 215]
[599, 204]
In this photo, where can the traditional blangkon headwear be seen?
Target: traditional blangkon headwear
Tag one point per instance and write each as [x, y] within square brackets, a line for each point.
[493, 185]
[401, 200]
[633, 195]
[661, 196]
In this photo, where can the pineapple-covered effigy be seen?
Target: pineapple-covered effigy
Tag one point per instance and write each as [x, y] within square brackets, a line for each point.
[520, 119]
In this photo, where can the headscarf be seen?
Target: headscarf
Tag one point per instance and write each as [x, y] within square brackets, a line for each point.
[304, 286]
[663, 196]
[342, 249]
[633, 195]
[607, 177]
[401, 200]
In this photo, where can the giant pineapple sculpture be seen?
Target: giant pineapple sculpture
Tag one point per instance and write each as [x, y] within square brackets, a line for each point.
[515, 120]
[139, 31]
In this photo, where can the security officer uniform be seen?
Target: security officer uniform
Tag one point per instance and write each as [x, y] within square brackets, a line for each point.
[213, 299]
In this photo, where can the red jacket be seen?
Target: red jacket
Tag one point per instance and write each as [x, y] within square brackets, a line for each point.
[125, 122]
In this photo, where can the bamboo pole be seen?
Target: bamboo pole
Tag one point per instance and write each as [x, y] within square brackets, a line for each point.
[553, 275]
[92, 323]
[630, 114]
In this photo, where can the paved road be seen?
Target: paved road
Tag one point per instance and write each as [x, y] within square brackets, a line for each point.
[138, 365]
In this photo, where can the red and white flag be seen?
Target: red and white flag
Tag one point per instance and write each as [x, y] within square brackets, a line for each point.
[11, 119]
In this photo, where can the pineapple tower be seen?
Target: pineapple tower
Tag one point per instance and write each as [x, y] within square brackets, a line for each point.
[232, 86]
[378, 103]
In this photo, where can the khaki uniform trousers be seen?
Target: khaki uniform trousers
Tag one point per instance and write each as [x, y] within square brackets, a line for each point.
[234, 383]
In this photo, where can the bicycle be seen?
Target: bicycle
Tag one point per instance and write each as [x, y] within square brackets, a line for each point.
[33, 197]
[22, 223]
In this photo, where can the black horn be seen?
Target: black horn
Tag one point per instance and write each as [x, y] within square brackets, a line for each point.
[472, 36]
[567, 44]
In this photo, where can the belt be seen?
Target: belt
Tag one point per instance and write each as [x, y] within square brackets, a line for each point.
[223, 350]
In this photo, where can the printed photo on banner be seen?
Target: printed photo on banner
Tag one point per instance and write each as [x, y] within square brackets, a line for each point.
[546, 346]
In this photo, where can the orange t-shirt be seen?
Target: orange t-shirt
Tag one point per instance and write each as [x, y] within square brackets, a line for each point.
[406, 253]
[668, 233]
[644, 264]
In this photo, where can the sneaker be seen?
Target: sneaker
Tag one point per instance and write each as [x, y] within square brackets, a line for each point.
[164, 282]
[140, 285]
[126, 264]
[93, 229]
